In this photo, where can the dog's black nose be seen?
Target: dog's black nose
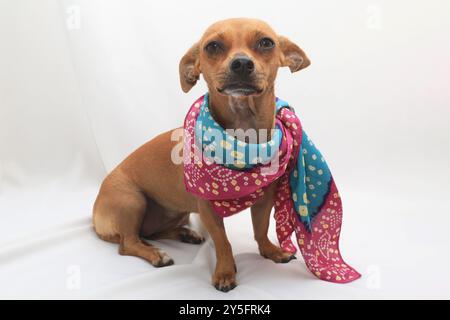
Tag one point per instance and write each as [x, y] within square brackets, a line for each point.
[242, 66]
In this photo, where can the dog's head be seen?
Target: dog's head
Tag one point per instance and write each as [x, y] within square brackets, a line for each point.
[239, 57]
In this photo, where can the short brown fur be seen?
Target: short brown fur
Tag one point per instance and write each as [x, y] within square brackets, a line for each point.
[145, 198]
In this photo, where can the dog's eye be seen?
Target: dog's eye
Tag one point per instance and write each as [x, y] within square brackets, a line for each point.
[266, 43]
[213, 47]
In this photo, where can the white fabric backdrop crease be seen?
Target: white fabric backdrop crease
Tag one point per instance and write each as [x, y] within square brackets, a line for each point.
[85, 82]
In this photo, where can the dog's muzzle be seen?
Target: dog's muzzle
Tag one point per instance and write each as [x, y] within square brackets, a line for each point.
[241, 77]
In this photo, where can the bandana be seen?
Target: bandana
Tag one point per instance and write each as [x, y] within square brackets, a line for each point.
[233, 175]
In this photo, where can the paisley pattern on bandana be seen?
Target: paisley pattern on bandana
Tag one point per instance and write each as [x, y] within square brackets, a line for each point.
[233, 175]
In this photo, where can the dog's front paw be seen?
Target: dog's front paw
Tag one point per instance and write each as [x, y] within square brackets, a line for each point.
[276, 254]
[224, 281]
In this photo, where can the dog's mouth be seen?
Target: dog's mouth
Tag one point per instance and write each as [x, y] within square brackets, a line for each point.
[239, 89]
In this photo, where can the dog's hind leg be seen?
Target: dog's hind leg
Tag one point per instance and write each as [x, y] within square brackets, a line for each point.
[177, 229]
[184, 234]
[118, 214]
[135, 246]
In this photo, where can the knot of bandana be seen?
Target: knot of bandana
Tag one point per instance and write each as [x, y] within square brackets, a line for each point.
[233, 175]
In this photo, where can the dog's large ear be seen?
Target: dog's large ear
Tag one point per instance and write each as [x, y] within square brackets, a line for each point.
[190, 68]
[292, 56]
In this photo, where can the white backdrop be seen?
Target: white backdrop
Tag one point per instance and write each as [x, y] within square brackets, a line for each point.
[83, 83]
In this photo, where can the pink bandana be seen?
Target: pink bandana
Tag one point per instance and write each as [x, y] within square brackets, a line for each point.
[230, 191]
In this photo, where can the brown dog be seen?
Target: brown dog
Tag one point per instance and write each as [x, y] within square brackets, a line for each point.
[145, 196]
